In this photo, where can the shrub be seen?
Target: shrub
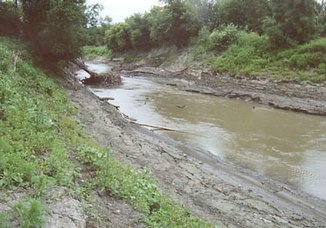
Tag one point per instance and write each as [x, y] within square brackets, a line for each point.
[246, 56]
[96, 51]
[221, 38]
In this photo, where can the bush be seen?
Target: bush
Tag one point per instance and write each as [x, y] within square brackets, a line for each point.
[96, 51]
[250, 55]
[245, 56]
[118, 38]
[220, 39]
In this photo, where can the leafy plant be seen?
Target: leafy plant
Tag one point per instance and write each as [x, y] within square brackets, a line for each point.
[221, 38]
[31, 214]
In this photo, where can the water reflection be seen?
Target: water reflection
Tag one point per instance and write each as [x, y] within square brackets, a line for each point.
[284, 145]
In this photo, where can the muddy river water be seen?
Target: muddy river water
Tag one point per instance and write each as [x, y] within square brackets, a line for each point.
[287, 146]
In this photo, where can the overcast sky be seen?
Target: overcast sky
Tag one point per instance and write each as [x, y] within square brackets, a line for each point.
[118, 10]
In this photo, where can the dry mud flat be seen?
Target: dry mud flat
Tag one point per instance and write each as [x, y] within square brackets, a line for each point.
[217, 191]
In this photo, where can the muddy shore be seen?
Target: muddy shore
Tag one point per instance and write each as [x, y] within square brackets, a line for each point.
[288, 95]
[220, 192]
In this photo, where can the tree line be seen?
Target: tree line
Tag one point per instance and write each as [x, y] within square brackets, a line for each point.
[178, 22]
[55, 30]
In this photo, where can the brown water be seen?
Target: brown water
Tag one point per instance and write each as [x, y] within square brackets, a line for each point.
[287, 146]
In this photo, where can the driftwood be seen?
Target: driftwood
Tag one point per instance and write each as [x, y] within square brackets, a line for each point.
[107, 79]
[156, 128]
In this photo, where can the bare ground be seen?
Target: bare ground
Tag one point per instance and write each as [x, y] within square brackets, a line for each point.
[215, 190]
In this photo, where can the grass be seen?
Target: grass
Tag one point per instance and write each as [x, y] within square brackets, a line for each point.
[250, 56]
[37, 131]
[95, 51]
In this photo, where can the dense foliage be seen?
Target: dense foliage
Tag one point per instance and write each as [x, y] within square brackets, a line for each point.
[248, 37]
[53, 29]
[285, 22]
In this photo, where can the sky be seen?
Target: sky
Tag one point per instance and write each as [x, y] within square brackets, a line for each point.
[118, 10]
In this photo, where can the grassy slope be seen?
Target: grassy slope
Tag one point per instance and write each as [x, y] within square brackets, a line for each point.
[250, 56]
[37, 131]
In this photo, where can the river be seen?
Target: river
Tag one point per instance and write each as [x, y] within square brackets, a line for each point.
[287, 146]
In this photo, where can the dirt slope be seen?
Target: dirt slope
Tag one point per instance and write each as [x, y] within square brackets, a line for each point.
[219, 192]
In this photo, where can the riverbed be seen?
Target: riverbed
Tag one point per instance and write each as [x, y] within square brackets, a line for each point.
[287, 146]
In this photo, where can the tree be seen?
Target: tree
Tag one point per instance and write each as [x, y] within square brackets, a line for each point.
[321, 17]
[9, 17]
[243, 13]
[96, 25]
[138, 27]
[292, 22]
[55, 29]
[93, 15]
[183, 24]
[118, 38]
[159, 20]
[204, 12]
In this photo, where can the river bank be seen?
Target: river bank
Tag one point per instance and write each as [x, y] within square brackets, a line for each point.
[218, 191]
[288, 95]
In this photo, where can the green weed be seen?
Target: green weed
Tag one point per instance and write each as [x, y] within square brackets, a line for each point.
[31, 214]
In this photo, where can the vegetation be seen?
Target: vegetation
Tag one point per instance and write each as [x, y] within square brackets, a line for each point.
[249, 37]
[92, 52]
[54, 30]
[38, 132]
[96, 25]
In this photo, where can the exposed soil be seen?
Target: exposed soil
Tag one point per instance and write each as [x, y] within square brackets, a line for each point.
[288, 95]
[220, 192]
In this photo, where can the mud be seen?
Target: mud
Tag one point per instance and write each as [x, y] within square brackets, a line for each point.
[288, 95]
[220, 192]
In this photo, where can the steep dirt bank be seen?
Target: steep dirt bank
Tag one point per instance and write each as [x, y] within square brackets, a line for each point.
[220, 192]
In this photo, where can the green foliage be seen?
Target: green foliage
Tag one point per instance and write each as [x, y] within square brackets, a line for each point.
[251, 56]
[139, 32]
[292, 22]
[9, 17]
[220, 39]
[118, 37]
[244, 56]
[245, 14]
[159, 21]
[32, 108]
[49, 43]
[54, 29]
[139, 188]
[31, 214]
[96, 25]
[321, 17]
[172, 24]
[95, 51]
